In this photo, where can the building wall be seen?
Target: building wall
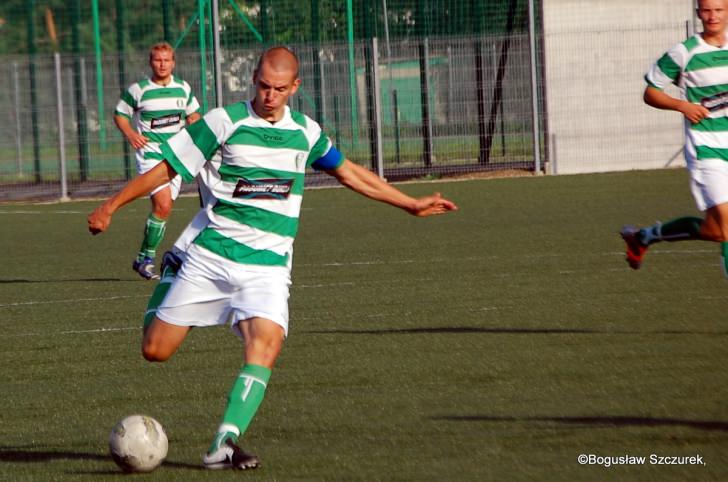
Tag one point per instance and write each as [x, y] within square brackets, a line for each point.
[595, 61]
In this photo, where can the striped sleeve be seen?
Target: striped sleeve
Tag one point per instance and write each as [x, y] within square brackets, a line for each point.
[668, 69]
[192, 104]
[127, 104]
[189, 149]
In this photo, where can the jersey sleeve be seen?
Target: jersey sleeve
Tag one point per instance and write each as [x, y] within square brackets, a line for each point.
[668, 69]
[127, 104]
[192, 104]
[324, 156]
[189, 149]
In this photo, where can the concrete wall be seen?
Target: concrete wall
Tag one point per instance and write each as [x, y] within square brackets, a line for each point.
[596, 55]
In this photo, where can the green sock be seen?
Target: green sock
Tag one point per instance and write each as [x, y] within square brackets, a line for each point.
[724, 257]
[153, 233]
[245, 397]
[678, 229]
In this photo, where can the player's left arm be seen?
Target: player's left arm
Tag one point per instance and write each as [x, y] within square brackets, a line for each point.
[100, 219]
[192, 118]
[365, 182]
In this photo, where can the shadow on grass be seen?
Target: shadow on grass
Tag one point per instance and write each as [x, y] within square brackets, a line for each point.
[506, 331]
[80, 280]
[22, 455]
[596, 421]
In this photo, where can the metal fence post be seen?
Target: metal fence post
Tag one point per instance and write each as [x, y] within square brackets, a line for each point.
[121, 47]
[99, 74]
[534, 89]
[425, 96]
[203, 54]
[33, 90]
[18, 128]
[480, 88]
[61, 127]
[376, 98]
[217, 53]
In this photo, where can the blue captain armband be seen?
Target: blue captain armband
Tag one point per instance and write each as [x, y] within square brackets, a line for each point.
[331, 160]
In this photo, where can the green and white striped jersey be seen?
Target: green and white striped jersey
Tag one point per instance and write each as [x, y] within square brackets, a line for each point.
[700, 71]
[158, 111]
[259, 181]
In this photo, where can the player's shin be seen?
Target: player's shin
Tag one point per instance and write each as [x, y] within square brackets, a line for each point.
[244, 399]
[154, 230]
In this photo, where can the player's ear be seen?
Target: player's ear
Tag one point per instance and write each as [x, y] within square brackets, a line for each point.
[296, 83]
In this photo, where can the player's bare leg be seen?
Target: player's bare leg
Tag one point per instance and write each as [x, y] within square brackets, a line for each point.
[715, 225]
[161, 340]
[263, 342]
[715, 228]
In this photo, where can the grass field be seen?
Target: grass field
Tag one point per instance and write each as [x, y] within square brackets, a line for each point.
[497, 343]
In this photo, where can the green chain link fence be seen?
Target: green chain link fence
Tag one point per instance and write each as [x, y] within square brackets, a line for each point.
[443, 86]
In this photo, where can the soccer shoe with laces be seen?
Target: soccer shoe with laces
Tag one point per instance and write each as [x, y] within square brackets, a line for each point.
[145, 268]
[635, 249]
[230, 456]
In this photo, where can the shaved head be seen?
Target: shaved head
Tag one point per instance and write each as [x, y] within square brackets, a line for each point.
[276, 80]
[279, 59]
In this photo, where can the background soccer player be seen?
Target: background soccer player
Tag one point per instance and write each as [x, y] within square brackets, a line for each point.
[158, 106]
[237, 269]
[698, 67]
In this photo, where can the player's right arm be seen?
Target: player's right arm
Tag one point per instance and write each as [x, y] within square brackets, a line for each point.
[670, 69]
[100, 219]
[660, 100]
[136, 139]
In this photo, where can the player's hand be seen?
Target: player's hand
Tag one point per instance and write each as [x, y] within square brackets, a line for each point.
[432, 205]
[137, 140]
[694, 112]
[99, 220]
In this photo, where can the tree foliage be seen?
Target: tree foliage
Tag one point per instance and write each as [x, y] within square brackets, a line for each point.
[243, 22]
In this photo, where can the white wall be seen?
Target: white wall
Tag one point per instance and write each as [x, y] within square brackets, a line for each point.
[596, 55]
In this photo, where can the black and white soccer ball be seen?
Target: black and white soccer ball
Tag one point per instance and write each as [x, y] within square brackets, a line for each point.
[138, 443]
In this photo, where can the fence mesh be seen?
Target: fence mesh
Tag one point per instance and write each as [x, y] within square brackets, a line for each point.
[471, 110]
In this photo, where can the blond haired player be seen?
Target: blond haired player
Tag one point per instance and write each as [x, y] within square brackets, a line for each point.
[699, 67]
[150, 112]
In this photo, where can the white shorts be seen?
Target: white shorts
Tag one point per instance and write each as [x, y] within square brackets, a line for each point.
[709, 183]
[210, 290]
[144, 165]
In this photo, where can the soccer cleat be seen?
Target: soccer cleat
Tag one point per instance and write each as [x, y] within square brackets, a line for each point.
[635, 248]
[230, 456]
[145, 268]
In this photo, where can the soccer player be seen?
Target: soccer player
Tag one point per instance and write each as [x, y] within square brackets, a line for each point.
[237, 269]
[158, 106]
[697, 67]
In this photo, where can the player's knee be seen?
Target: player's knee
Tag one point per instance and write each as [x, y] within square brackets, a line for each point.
[162, 209]
[714, 233]
[263, 350]
[722, 233]
[154, 352]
